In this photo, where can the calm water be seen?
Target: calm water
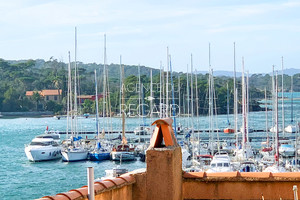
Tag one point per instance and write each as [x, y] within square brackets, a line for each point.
[21, 179]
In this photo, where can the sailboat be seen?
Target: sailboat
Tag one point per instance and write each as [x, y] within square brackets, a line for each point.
[228, 129]
[291, 128]
[246, 151]
[73, 149]
[123, 152]
[102, 149]
[275, 167]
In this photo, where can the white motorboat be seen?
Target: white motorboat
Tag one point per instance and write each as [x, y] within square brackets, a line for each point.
[290, 129]
[122, 153]
[141, 130]
[275, 169]
[273, 130]
[287, 150]
[248, 166]
[115, 172]
[220, 163]
[44, 147]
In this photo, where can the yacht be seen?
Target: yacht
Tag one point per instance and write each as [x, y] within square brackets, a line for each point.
[44, 147]
[220, 163]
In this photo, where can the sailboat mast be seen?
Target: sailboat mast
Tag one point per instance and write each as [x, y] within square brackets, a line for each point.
[228, 105]
[282, 98]
[167, 84]
[210, 100]
[276, 121]
[179, 98]
[120, 85]
[97, 108]
[192, 105]
[244, 132]
[197, 104]
[266, 109]
[160, 91]
[151, 95]
[188, 96]
[123, 103]
[75, 84]
[173, 98]
[69, 100]
[292, 99]
[235, 97]
[140, 96]
[247, 108]
[104, 83]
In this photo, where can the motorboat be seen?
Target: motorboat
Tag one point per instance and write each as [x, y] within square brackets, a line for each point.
[275, 168]
[287, 150]
[274, 130]
[44, 147]
[220, 163]
[248, 166]
[228, 130]
[291, 129]
[141, 130]
[122, 153]
[179, 129]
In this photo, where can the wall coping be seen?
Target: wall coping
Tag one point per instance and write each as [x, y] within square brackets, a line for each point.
[241, 176]
[100, 187]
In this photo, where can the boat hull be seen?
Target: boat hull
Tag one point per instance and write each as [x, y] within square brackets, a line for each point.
[229, 130]
[72, 156]
[96, 156]
[36, 154]
[122, 156]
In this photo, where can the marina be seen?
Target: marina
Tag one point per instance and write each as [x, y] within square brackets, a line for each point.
[29, 176]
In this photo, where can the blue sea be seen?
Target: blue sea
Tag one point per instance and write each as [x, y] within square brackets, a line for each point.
[21, 179]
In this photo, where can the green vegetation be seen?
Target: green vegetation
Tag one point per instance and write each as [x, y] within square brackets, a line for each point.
[17, 77]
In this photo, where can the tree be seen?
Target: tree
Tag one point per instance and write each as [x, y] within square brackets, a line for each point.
[36, 97]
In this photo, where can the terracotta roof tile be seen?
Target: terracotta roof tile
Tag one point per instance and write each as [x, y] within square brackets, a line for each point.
[255, 174]
[51, 92]
[98, 187]
[118, 181]
[128, 178]
[194, 175]
[76, 190]
[287, 174]
[108, 183]
[223, 174]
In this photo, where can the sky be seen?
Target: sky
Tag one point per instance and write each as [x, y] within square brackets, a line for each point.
[141, 31]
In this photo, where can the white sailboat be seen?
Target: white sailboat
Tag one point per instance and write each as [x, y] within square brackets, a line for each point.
[123, 152]
[291, 128]
[245, 152]
[74, 149]
[276, 167]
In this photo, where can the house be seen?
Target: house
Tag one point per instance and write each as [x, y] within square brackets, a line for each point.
[47, 95]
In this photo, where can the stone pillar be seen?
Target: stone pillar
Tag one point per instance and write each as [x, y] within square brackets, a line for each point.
[164, 164]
